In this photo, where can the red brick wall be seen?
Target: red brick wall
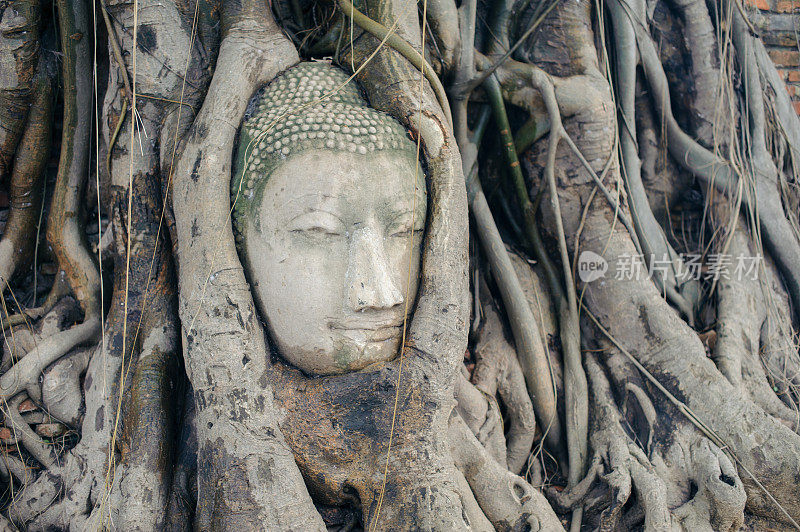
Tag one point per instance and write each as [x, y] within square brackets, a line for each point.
[779, 24]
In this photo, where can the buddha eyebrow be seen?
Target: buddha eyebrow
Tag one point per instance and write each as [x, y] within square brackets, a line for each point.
[312, 210]
[295, 199]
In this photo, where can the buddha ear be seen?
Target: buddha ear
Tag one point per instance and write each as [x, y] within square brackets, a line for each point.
[438, 332]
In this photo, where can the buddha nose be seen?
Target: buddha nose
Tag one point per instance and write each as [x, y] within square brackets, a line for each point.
[369, 279]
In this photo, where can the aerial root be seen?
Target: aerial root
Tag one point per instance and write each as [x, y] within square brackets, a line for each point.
[497, 371]
[45, 454]
[568, 499]
[507, 500]
[62, 396]
[26, 372]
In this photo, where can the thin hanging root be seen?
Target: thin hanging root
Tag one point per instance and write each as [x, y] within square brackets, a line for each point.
[575, 386]
[713, 170]
[514, 79]
[531, 350]
[655, 245]
[17, 244]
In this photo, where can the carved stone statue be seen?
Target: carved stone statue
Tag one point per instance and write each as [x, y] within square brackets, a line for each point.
[329, 215]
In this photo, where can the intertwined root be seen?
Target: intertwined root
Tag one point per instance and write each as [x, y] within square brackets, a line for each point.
[498, 374]
[683, 482]
[507, 500]
[648, 463]
[60, 494]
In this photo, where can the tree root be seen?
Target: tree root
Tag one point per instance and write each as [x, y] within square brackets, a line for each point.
[744, 307]
[481, 413]
[59, 289]
[714, 171]
[64, 232]
[683, 293]
[61, 496]
[26, 372]
[19, 54]
[45, 454]
[497, 371]
[531, 351]
[237, 456]
[632, 312]
[718, 499]
[506, 499]
[16, 246]
[61, 387]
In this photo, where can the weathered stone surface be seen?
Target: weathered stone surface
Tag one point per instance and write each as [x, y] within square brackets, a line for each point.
[330, 208]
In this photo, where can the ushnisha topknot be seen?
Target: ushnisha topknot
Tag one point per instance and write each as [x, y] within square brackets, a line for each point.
[285, 119]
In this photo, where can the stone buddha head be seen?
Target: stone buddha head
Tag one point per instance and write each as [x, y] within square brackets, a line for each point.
[329, 213]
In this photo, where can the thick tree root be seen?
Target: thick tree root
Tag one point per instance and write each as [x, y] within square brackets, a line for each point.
[60, 496]
[506, 499]
[19, 55]
[43, 453]
[26, 372]
[16, 246]
[481, 413]
[61, 387]
[662, 484]
[631, 311]
[497, 372]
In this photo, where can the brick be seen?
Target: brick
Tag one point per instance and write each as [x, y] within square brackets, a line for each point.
[796, 107]
[787, 6]
[773, 38]
[760, 4]
[793, 76]
[771, 22]
[785, 58]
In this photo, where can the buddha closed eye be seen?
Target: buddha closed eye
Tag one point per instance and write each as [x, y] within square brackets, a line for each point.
[330, 236]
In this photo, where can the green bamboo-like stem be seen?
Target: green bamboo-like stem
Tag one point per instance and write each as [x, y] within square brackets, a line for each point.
[379, 31]
[527, 206]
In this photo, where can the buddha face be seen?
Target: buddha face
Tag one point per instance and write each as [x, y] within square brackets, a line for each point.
[333, 251]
